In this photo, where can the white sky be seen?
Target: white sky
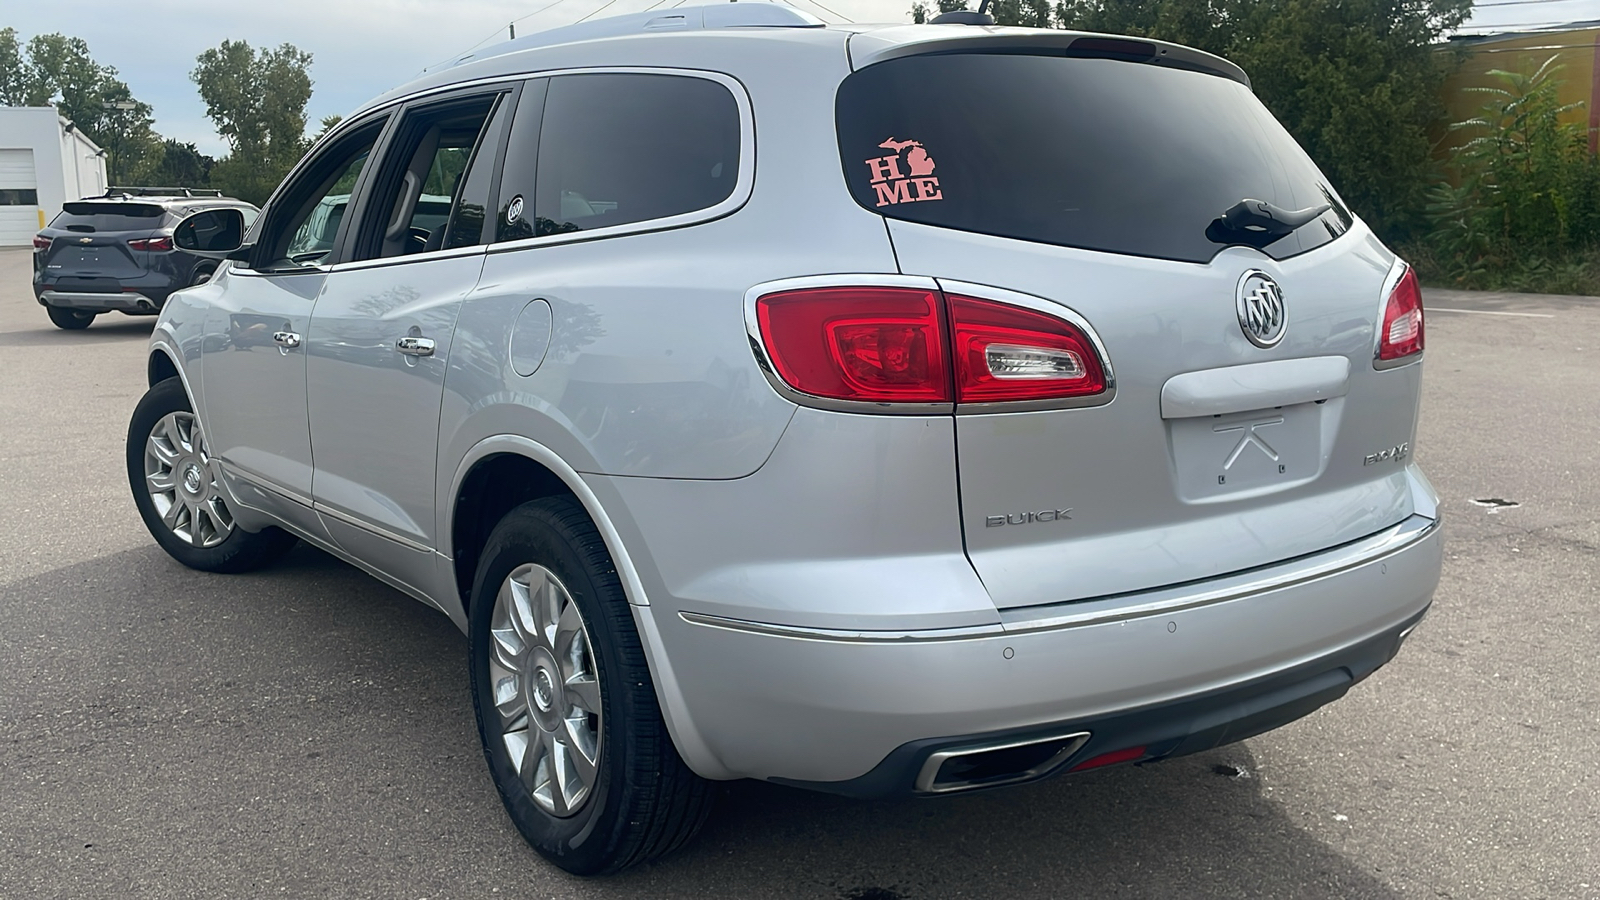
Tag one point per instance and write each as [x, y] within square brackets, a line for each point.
[365, 47]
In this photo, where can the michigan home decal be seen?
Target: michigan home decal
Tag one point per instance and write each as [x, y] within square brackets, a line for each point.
[915, 184]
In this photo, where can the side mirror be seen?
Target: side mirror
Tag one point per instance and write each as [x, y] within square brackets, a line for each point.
[213, 233]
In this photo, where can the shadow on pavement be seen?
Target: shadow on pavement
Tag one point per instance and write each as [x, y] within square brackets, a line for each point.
[306, 731]
[108, 328]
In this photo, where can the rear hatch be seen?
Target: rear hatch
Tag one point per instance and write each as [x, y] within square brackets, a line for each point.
[1098, 180]
[90, 249]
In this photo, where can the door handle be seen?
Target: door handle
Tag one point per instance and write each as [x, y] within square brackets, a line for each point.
[415, 346]
[286, 339]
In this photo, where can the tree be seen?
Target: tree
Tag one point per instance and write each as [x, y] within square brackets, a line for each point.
[257, 98]
[13, 80]
[328, 123]
[56, 70]
[180, 164]
[1355, 81]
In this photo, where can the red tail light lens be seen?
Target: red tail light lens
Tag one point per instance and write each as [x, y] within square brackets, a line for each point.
[1400, 334]
[912, 345]
[40, 242]
[155, 245]
[1006, 353]
[871, 344]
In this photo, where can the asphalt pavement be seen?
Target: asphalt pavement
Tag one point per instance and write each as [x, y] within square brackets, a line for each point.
[307, 732]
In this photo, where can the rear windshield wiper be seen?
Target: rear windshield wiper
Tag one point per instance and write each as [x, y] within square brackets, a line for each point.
[1258, 223]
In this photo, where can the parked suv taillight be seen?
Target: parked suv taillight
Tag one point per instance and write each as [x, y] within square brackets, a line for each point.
[914, 345]
[1400, 332]
[40, 242]
[156, 245]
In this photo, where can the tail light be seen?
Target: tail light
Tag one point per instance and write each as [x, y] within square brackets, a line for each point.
[1400, 333]
[914, 345]
[882, 345]
[154, 245]
[1006, 353]
[40, 242]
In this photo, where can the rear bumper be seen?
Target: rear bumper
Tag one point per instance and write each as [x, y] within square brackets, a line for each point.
[1162, 731]
[126, 301]
[1176, 671]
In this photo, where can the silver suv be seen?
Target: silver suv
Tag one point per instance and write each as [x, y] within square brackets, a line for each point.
[896, 410]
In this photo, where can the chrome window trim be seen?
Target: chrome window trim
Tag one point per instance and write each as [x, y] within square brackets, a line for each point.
[743, 186]
[243, 270]
[380, 262]
[1056, 311]
[1397, 270]
[758, 346]
[1158, 601]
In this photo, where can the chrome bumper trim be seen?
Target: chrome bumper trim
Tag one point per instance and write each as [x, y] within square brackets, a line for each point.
[96, 301]
[1122, 607]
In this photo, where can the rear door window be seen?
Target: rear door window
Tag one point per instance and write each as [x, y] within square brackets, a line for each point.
[619, 149]
[1096, 153]
[89, 217]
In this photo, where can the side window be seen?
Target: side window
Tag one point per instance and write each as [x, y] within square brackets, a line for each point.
[467, 217]
[304, 222]
[615, 149]
[424, 176]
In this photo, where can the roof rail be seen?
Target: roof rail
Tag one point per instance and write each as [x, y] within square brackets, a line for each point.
[149, 191]
[718, 15]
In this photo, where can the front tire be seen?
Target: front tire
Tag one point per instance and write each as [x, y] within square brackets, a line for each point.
[565, 706]
[175, 486]
[70, 319]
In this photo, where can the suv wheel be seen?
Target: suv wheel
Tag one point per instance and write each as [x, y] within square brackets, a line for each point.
[175, 486]
[69, 319]
[565, 705]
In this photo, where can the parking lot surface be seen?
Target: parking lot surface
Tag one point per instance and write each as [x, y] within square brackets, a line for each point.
[307, 732]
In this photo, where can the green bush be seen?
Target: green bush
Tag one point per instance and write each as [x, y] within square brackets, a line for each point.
[1522, 208]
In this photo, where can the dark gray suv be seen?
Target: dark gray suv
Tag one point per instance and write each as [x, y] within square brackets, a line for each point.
[115, 253]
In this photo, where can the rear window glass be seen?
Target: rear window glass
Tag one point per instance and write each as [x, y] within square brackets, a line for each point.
[109, 217]
[1096, 153]
[615, 149]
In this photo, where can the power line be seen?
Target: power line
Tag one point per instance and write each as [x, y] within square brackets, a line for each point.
[1516, 3]
[1531, 49]
[596, 12]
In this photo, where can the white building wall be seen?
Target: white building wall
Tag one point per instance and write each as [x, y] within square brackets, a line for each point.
[67, 166]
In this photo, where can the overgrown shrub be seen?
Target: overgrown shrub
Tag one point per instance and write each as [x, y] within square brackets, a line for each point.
[1522, 209]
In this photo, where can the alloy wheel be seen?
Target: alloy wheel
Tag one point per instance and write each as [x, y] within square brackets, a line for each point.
[182, 483]
[546, 689]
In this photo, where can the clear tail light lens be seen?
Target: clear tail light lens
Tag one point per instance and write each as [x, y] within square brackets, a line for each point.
[1400, 334]
[1006, 353]
[871, 344]
[155, 245]
[40, 242]
[909, 345]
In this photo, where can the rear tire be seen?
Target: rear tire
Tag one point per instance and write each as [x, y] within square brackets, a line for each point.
[636, 800]
[70, 319]
[175, 485]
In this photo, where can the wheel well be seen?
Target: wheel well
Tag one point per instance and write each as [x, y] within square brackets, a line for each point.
[161, 368]
[496, 485]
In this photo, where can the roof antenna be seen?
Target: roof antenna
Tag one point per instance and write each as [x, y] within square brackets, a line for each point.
[965, 16]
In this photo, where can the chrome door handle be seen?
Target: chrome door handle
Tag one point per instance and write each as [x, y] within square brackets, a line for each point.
[415, 346]
[286, 339]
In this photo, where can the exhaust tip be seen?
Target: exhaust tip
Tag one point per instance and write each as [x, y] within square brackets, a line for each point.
[995, 764]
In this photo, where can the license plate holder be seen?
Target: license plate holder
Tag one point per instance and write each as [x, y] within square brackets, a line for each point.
[1258, 451]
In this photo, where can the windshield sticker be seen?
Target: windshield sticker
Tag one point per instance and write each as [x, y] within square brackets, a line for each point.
[909, 184]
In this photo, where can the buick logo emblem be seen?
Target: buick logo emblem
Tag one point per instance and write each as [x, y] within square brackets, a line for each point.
[1262, 315]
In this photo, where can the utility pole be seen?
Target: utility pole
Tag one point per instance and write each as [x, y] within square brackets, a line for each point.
[121, 109]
